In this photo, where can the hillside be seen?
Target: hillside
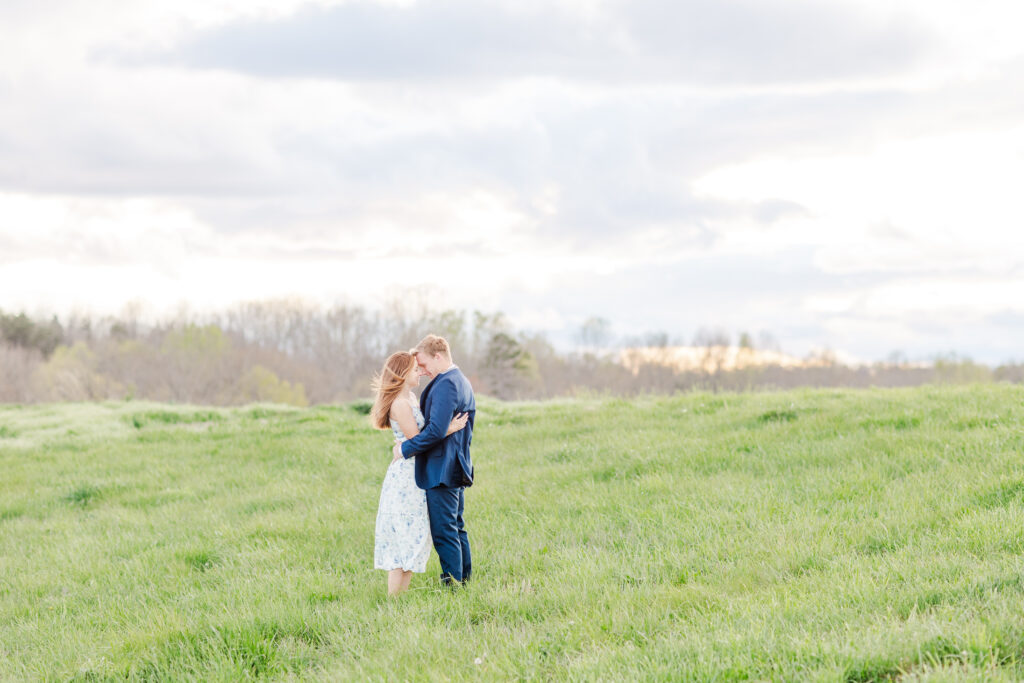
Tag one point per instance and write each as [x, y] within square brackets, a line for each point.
[806, 535]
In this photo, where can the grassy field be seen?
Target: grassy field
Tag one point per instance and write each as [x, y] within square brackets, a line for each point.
[807, 535]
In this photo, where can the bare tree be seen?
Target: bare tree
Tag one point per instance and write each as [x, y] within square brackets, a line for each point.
[594, 333]
[714, 345]
[17, 365]
[291, 351]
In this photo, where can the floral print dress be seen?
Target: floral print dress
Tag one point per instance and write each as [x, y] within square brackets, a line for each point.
[403, 528]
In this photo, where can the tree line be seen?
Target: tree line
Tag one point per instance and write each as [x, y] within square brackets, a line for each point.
[292, 352]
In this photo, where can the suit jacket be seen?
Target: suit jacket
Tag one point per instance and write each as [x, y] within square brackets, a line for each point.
[444, 461]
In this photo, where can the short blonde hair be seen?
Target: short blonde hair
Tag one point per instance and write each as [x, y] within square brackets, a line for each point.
[433, 345]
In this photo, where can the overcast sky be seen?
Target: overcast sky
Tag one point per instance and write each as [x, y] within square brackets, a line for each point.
[844, 174]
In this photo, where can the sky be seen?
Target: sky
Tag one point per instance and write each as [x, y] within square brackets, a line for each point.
[842, 174]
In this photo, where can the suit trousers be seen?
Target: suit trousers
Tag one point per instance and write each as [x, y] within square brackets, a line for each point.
[445, 506]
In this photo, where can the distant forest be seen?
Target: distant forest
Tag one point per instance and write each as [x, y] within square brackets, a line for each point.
[289, 352]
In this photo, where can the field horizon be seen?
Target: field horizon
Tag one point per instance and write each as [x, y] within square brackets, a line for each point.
[812, 534]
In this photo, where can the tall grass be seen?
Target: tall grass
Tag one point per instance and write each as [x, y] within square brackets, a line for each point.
[810, 535]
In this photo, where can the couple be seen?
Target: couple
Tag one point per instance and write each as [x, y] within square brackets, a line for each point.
[423, 495]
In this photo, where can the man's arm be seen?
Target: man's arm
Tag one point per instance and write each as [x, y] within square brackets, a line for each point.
[442, 408]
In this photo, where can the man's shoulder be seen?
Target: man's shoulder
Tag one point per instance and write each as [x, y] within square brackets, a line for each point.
[458, 376]
[438, 381]
[454, 376]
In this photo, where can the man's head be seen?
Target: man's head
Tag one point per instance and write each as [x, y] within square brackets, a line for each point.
[433, 355]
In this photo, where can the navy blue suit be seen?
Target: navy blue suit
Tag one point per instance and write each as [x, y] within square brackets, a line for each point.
[444, 468]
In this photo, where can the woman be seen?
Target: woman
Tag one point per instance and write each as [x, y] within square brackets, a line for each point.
[402, 542]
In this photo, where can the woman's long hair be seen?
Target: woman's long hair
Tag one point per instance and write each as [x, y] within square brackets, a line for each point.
[388, 385]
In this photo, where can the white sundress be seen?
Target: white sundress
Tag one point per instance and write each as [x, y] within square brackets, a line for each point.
[402, 538]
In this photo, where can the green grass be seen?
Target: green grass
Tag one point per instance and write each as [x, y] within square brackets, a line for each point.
[809, 535]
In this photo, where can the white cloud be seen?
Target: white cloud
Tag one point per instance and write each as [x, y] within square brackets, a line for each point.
[87, 231]
[975, 37]
[949, 300]
[923, 204]
[70, 253]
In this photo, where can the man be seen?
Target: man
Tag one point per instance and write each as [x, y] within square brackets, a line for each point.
[443, 466]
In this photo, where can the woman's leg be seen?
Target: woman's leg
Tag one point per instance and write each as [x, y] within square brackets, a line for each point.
[395, 578]
[406, 579]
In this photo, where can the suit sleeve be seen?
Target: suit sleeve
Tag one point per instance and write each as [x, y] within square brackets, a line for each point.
[442, 408]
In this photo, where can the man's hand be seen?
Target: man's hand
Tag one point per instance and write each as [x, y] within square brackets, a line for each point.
[397, 451]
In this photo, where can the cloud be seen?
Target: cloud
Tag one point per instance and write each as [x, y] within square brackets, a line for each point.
[245, 154]
[669, 166]
[924, 204]
[699, 41]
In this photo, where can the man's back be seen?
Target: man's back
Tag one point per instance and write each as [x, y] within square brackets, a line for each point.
[448, 462]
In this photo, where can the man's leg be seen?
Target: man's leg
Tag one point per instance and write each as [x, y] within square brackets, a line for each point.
[443, 509]
[467, 563]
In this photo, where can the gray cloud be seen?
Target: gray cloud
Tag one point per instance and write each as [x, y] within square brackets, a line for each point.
[630, 142]
[603, 157]
[698, 41]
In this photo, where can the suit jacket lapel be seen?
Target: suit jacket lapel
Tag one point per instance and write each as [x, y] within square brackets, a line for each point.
[423, 396]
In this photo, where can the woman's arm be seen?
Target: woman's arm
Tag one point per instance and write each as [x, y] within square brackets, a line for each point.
[401, 412]
[457, 423]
